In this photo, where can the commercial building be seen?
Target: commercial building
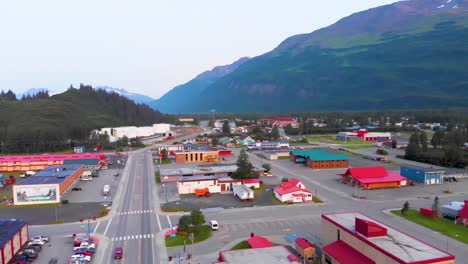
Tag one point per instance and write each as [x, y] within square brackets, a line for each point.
[268, 145]
[171, 149]
[363, 134]
[277, 154]
[46, 186]
[423, 175]
[171, 175]
[192, 156]
[354, 238]
[245, 140]
[319, 159]
[42, 161]
[373, 178]
[282, 122]
[116, 133]
[186, 185]
[292, 191]
[13, 235]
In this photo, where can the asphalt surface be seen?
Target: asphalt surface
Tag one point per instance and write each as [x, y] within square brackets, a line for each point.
[136, 223]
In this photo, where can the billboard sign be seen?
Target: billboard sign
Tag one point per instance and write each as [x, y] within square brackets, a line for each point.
[36, 194]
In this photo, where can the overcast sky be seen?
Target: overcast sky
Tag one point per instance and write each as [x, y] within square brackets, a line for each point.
[146, 46]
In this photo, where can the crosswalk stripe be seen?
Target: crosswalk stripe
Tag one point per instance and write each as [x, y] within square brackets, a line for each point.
[120, 238]
[152, 235]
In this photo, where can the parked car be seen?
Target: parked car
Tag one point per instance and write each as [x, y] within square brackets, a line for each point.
[41, 237]
[30, 255]
[80, 257]
[85, 245]
[118, 253]
[35, 248]
[77, 189]
[36, 242]
[77, 242]
[214, 225]
[116, 174]
[84, 251]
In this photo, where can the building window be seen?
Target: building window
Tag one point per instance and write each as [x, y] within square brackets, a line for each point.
[338, 235]
[328, 259]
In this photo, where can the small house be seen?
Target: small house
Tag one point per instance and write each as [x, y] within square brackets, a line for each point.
[305, 249]
[292, 192]
[245, 140]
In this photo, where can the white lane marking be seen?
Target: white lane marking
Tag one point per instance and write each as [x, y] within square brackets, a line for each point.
[107, 227]
[120, 238]
[144, 236]
[159, 222]
[169, 220]
[152, 235]
[94, 231]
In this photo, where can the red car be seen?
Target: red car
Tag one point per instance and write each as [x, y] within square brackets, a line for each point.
[118, 253]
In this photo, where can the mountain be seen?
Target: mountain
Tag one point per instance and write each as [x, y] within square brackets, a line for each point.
[43, 124]
[176, 100]
[137, 98]
[34, 91]
[407, 55]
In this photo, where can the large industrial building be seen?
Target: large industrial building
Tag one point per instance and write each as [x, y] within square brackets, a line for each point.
[116, 133]
[194, 156]
[46, 186]
[42, 161]
[373, 178]
[171, 175]
[319, 159]
[350, 238]
[13, 235]
[363, 134]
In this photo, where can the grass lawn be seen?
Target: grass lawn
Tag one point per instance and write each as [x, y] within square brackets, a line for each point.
[332, 140]
[359, 146]
[178, 240]
[241, 245]
[442, 225]
[315, 199]
[283, 158]
[158, 178]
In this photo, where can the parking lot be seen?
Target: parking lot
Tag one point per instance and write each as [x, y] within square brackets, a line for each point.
[331, 179]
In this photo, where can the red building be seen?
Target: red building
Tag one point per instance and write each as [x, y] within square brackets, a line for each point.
[42, 161]
[372, 178]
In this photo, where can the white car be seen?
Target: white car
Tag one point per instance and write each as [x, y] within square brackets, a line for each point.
[36, 242]
[80, 257]
[214, 225]
[42, 238]
[85, 245]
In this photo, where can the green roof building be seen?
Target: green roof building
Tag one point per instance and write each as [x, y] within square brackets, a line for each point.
[319, 159]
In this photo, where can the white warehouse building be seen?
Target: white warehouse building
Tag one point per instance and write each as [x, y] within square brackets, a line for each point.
[116, 133]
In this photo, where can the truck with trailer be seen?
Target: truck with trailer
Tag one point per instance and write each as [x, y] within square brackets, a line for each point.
[243, 192]
[202, 192]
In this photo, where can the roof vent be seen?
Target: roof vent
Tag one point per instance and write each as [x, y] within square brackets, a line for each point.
[369, 228]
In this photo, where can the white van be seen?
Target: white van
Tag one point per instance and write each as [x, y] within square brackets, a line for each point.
[214, 225]
[106, 190]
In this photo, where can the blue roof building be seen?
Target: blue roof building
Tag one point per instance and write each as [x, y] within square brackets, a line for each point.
[13, 235]
[52, 175]
[423, 175]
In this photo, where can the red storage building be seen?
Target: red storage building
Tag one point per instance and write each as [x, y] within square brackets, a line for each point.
[373, 178]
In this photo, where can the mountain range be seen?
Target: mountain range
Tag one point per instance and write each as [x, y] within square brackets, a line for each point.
[407, 55]
[136, 97]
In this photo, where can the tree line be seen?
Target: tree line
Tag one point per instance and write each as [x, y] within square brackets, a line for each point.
[447, 148]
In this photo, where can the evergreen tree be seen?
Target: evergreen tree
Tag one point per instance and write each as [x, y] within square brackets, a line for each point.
[184, 223]
[436, 206]
[165, 155]
[423, 140]
[226, 128]
[413, 148]
[405, 208]
[437, 138]
[275, 133]
[214, 141]
[267, 166]
[245, 169]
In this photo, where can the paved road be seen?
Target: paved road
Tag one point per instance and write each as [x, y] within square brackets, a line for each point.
[136, 223]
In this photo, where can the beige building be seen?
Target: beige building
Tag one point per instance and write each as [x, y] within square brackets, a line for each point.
[357, 238]
[193, 156]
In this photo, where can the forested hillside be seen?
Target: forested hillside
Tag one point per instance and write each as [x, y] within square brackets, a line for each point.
[63, 120]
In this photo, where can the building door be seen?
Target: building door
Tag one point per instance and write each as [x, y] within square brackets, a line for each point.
[223, 187]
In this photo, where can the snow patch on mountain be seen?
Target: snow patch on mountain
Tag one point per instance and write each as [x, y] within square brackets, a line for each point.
[137, 98]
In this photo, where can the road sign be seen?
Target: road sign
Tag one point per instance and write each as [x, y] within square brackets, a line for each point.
[191, 236]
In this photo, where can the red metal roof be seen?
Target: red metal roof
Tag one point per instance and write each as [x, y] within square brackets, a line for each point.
[373, 175]
[250, 181]
[292, 257]
[344, 253]
[290, 183]
[303, 243]
[259, 242]
[369, 228]
[46, 157]
[464, 211]
[285, 190]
